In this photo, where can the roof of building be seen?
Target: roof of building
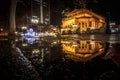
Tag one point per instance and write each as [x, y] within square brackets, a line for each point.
[80, 11]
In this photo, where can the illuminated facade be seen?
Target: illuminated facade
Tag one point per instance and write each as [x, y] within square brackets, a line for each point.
[83, 21]
[82, 50]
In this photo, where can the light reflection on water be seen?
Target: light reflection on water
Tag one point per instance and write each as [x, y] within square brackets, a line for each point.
[56, 57]
[46, 50]
[40, 50]
[68, 59]
[82, 50]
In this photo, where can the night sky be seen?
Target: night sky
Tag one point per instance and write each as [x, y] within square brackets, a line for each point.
[106, 8]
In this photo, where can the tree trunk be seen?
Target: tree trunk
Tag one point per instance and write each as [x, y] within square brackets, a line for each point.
[12, 16]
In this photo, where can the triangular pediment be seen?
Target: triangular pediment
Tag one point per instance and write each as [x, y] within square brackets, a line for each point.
[84, 13]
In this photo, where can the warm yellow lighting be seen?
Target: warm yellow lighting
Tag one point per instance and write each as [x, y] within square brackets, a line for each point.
[35, 51]
[82, 20]
[35, 21]
[85, 50]
[24, 27]
[1, 29]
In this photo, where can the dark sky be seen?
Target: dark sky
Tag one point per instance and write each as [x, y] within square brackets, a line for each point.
[4, 10]
[106, 8]
[103, 7]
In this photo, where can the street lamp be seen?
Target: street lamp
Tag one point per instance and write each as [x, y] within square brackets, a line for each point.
[1, 29]
[23, 28]
[34, 20]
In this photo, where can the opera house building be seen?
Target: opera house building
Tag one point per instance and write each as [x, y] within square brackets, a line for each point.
[83, 21]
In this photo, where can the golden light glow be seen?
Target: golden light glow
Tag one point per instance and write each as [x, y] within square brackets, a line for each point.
[84, 49]
[84, 19]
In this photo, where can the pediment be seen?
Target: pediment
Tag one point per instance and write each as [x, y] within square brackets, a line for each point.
[84, 13]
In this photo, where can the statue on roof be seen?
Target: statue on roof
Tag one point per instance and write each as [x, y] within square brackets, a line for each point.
[80, 3]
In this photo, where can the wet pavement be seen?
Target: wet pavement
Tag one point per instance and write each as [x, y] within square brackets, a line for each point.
[14, 65]
[116, 51]
[54, 59]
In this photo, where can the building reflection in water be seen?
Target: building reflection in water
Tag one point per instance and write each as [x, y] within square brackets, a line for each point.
[82, 50]
[47, 50]
[65, 58]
